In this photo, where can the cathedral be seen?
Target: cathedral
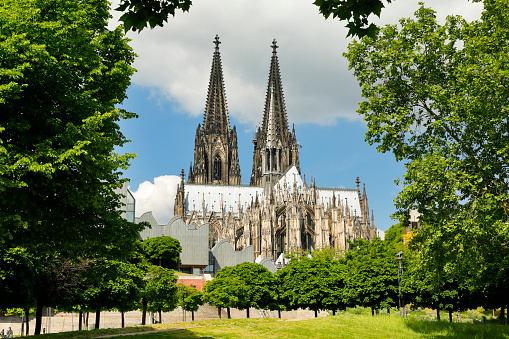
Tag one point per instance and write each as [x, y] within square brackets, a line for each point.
[278, 212]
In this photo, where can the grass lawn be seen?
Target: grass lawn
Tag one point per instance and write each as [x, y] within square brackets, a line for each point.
[340, 326]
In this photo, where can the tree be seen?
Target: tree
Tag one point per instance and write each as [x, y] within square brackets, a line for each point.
[372, 279]
[189, 298]
[159, 291]
[163, 251]
[111, 285]
[436, 96]
[313, 281]
[58, 127]
[242, 286]
[394, 236]
[17, 274]
[58, 283]
[140, 13]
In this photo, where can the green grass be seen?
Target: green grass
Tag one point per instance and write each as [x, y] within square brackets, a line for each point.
[346, 325]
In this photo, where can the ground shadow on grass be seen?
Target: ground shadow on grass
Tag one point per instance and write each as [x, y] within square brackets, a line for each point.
[442, 329]
[100, 333]
[166, 334]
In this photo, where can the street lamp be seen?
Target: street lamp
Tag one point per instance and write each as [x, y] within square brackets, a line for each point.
[400, 274]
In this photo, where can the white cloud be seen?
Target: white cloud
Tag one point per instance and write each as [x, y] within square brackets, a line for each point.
[158, 197]
[318, 86]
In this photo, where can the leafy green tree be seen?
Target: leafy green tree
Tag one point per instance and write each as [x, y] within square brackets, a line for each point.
[242, 286]
[189, 298]
[394, 236]
[58, 127]
[436, 96]
[163, 251]
[159, 292]
[140, 13]
[315, 281]
[17, 277]
[112, 285]
[372, 279]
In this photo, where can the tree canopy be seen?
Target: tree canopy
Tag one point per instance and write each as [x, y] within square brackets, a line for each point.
[316, 282]
[163, 251]
[138, 14]
[242, 286]
[58, 127]
[436, 97]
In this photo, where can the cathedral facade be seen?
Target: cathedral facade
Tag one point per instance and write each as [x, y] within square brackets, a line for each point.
[278, 212]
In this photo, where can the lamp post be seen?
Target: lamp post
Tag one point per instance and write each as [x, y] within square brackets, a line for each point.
[400, 274]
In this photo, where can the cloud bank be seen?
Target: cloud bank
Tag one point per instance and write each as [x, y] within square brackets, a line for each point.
[158, 197]
[175, 59]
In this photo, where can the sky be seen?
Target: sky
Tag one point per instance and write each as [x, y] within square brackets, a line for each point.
[169, 90]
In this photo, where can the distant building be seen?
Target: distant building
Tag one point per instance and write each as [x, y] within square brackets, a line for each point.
[279, 212]
[380, 234]
[128, 203]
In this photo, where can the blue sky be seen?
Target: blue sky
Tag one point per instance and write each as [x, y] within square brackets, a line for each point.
[169, 91]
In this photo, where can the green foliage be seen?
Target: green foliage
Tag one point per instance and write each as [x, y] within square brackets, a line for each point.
[242, 286]
[58, 127]
[189, 298]
[355, 12]
[316, 281]
[163, 251]
[160, 290]
[17, 278]
[394, 236]
[139, 13]
[112, 285]
[436, 96]
[372, 279]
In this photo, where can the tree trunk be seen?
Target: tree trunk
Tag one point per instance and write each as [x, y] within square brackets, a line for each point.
[144, 311]
[27, 319]
[192, 315]
[228, 311]
[334, 312]
[450, 316]
[372, 311]
[502, 315]
[160, 316]
[80, 326]
[247, 312]
[123, 322]
[219, 312]
[279, 314]
[438, 314]
[388, 310]
[38, 318]
[97, 318]
[316, 314]
[86, 321]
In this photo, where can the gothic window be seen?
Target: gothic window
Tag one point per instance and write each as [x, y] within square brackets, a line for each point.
[217, 168]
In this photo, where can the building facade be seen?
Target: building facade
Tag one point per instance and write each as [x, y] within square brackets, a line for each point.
[278, 212]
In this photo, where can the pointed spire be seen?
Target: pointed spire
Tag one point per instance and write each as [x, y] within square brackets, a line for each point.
[275, 99]
[333, 199]
[216, 112]
[271, 128]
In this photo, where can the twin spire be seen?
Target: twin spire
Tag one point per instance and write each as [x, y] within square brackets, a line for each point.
[216, 151]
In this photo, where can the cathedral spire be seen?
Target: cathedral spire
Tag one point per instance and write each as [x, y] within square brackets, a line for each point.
[216, 112]
[274, 128]
[216, 156]
[275, 100]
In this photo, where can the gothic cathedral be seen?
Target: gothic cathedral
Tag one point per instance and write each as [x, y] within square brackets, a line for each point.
[278, 212]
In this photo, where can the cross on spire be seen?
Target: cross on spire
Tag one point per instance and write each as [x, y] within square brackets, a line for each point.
[216, 41]
[274, 46]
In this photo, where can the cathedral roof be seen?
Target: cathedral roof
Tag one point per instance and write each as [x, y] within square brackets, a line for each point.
[214, 197]
[216, 112]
